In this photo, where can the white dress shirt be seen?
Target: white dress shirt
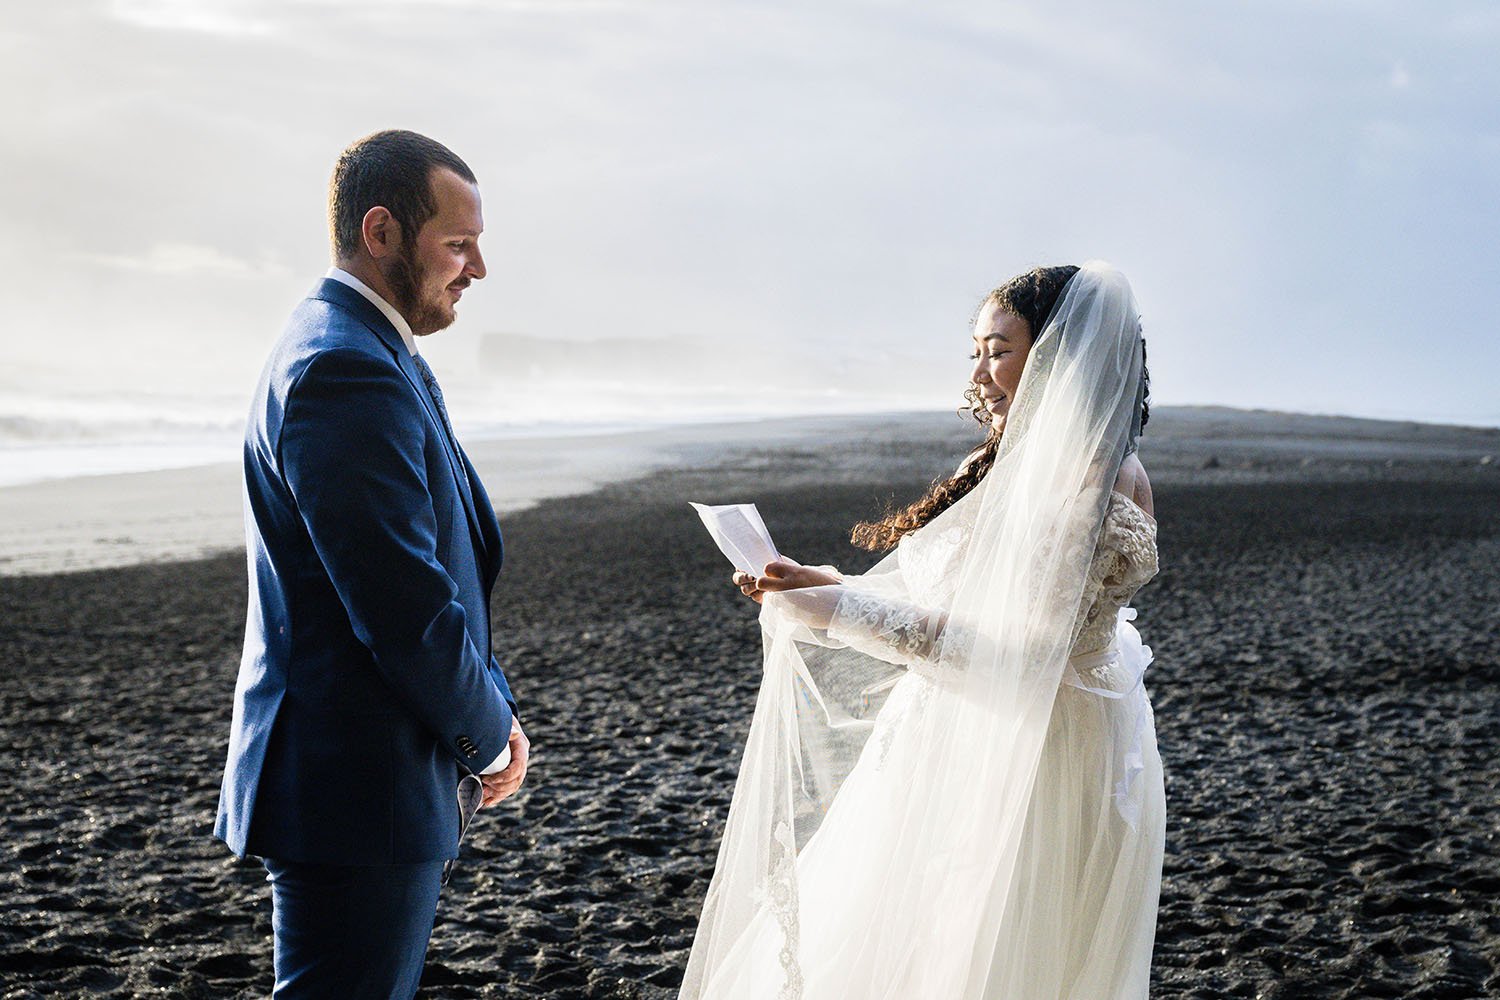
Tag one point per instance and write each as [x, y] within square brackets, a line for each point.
[404, 328]
[389, 311]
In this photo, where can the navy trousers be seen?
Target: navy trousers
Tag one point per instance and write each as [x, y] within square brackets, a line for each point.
[351, 931]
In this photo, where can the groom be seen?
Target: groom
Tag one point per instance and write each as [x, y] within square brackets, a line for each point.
[370, 717]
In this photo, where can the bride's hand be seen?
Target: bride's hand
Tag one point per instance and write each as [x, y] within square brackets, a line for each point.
[783, 574]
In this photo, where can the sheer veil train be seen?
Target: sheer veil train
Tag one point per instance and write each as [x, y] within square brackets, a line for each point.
[881, 809]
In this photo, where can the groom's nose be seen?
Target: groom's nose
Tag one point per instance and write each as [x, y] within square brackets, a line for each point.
[475, 267]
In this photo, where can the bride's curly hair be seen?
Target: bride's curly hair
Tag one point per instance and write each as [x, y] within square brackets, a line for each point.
[1031, 297]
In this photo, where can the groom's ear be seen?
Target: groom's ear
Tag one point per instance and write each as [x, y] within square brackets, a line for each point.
[381, 232]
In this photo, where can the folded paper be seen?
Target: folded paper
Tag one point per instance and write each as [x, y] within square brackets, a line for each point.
[740, 534]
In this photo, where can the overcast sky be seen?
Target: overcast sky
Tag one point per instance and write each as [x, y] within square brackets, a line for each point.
[1303, 194]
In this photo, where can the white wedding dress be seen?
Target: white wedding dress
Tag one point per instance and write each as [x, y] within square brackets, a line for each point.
[951, 788]
[1080, 915]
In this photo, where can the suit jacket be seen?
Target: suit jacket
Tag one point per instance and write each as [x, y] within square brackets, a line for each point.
[367, 687]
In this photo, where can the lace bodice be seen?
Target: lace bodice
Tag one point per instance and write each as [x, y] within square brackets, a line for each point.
[1124, 560]
[899, 617]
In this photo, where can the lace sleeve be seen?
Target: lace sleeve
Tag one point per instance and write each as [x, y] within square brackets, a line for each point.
[872, 613]
[886, 628]
[875, 614]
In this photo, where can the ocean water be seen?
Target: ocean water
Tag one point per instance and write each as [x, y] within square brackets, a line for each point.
[496, 386]
[49, 438]
[21, 464]
[34, 459]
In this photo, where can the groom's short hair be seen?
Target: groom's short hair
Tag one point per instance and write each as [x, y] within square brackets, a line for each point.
[390, 169]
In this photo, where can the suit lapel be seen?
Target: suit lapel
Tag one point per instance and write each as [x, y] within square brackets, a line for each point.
[342, 295]
[494, 545]
[455, 456]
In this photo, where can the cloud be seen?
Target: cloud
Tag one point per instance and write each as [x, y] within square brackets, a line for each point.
[846, 176]
[186, 260]
[238, 18]
[213, 17]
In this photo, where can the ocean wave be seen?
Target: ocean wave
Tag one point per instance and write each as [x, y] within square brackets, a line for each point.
[22, 429]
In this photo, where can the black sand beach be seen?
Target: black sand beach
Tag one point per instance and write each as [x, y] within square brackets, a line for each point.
[1327, 692]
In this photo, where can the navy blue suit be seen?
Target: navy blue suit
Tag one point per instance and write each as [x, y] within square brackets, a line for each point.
[367, 687]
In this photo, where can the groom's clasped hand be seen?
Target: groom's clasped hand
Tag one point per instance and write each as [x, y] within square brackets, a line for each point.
[506, 782]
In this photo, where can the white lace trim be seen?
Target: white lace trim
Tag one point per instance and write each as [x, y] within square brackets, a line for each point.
[780, 897]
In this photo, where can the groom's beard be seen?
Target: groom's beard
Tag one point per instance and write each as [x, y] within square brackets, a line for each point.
[406, 278]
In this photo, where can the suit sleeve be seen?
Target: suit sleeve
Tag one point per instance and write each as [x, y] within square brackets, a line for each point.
[351, 453]
[498, 676]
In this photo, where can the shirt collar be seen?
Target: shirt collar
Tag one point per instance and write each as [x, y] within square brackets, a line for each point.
[389, 311]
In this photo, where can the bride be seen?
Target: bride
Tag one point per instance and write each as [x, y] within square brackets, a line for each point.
[951, 786]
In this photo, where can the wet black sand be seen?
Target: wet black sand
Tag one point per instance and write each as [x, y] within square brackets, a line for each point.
[1327, 688]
